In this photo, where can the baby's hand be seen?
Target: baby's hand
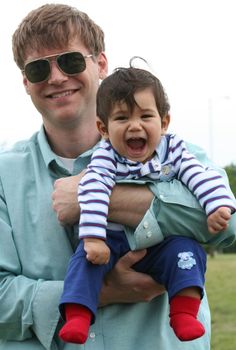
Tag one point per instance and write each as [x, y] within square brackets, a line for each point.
[218, 221]
[97, 251]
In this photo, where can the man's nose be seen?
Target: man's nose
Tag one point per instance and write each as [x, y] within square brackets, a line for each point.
[56, 75]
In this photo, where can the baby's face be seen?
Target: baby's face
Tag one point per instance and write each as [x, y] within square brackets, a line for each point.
[136, 134]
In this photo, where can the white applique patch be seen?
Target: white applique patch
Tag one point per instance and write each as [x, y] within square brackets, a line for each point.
[166, 169]
[186, 260]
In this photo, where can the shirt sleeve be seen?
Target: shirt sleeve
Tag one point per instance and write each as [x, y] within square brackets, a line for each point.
[176, 211]
[28, 307]
[94, 194]
[204, 182]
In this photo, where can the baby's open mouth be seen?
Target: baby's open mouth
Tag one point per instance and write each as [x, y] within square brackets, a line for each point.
[136, 143]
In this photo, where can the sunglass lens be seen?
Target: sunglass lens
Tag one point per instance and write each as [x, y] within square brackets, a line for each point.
[37, 71]
[71, 62]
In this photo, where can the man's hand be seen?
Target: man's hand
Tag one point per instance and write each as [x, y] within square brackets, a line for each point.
[65, 199]
[219, 220]
[124, 285]
[97, 251]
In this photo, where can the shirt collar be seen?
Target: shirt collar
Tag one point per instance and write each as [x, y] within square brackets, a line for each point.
[51, 159]
[47, 153]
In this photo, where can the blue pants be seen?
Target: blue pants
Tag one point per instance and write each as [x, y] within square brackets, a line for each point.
[178, 262]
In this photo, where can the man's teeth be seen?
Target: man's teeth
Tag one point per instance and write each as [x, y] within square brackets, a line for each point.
[62, 94]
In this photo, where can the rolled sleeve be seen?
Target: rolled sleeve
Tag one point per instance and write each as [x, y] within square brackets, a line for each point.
[148, 232]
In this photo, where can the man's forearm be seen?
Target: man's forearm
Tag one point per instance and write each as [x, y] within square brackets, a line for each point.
[129, 204]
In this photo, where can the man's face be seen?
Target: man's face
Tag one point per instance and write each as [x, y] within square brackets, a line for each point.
[62, 100]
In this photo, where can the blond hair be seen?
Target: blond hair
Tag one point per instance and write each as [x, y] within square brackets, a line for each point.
[54, 26]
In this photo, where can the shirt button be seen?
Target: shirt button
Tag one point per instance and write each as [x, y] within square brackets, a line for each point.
[161, 196]
[145, 224]
[149, 234]
[92, 335]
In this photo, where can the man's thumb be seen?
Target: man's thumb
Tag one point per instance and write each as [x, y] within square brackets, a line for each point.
[132, 257]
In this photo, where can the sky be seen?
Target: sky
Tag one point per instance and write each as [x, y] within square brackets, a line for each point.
[189, 45]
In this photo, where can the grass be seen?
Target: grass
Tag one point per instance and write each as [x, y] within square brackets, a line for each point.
[221, 291]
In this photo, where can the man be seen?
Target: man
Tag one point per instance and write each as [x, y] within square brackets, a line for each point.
[61, 54]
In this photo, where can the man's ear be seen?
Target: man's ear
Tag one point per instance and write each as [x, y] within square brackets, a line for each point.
[26, 85]
[165, 124]
[103, 65]
[102, 129]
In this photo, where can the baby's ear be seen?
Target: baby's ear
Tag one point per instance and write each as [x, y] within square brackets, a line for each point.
[102, 129]
[165, 124]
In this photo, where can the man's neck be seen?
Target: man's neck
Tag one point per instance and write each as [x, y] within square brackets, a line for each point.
[72, 143]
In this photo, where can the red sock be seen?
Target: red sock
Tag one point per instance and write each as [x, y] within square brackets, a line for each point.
[78, 319]
[183, 317]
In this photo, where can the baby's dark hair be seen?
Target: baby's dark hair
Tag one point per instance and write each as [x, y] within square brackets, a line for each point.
[121, 86]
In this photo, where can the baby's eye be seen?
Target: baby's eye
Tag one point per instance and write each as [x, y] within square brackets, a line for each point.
[120, 118]
[147, 116]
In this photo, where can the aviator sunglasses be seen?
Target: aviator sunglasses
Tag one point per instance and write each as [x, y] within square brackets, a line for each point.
[69, 63]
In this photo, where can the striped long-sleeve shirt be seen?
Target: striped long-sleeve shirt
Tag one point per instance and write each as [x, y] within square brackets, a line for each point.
[171, 160]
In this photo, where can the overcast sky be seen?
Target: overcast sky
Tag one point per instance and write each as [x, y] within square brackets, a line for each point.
[190, 45]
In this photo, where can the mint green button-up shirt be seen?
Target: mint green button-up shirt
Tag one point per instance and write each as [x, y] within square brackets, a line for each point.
[35, 250]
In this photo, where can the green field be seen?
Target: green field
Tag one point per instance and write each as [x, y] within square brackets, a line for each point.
[221, 291]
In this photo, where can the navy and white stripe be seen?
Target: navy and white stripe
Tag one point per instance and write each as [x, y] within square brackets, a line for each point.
[172, 160]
